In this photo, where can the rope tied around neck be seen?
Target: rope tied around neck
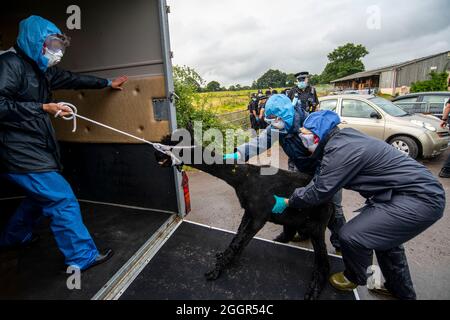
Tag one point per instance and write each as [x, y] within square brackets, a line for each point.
[167, 150]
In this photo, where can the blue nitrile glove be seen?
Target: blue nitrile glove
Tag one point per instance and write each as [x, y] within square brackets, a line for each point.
[280, 205]
[232, 156]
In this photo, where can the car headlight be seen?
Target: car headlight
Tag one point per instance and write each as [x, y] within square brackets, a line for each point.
[425, 125]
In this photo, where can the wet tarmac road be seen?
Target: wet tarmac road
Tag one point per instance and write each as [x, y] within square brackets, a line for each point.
[214, 203]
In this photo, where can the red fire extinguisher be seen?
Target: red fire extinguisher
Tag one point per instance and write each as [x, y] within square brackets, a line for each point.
[187, 196]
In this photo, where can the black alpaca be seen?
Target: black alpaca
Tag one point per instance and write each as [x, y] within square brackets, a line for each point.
[258, 206]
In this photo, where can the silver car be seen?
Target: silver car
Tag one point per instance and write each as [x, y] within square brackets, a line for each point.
[416, 135]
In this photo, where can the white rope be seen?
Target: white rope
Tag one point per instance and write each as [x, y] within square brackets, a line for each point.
[159, 147]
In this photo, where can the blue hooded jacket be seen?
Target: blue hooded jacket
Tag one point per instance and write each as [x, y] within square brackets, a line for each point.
[33, 32]
[27, 140]
[294, 117]
[322, 122]
[280, 105]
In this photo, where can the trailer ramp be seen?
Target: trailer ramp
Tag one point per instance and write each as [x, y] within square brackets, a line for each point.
[265, 271]
[37, 273]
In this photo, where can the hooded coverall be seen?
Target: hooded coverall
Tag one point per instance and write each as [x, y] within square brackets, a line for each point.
[294, 117]
[403, 200]
[29, 152]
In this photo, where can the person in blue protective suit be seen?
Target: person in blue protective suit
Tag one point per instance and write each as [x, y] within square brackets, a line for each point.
[287, 120]
[403, 200]
[29, 152]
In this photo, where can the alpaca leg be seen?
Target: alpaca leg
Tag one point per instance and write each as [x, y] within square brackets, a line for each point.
[249, 228]
[244, 222]
[321, 266]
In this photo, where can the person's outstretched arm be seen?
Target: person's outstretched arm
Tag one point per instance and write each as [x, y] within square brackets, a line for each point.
[62, 79]
[258, 145]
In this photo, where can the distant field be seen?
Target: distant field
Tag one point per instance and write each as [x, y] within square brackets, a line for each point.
[231, 101]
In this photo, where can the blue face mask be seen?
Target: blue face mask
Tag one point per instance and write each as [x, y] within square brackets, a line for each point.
[301, 85]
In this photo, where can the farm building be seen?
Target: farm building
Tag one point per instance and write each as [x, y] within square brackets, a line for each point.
[397, 78]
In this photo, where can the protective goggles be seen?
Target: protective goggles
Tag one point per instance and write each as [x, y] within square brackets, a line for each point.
[276, 123]
[57, 42]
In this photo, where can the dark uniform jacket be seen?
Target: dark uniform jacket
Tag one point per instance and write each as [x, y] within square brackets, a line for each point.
[308, 98]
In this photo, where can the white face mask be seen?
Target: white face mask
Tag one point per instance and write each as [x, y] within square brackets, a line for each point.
[53, 57]
[277, 123]
[309, 142]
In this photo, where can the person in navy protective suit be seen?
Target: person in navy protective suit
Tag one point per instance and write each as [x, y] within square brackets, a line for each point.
[286, 120]
[403, 200]
[29, 152]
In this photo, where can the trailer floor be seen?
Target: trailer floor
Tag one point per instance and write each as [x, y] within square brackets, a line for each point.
[265, 270]
[36, 273]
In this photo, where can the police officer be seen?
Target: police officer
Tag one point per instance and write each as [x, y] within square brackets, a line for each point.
[253, 110]
[304, 93]
[262, 109]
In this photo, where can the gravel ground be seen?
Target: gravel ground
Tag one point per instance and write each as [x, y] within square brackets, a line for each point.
[214, 203]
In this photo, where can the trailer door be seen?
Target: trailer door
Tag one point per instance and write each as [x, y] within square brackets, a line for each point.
[128, 201]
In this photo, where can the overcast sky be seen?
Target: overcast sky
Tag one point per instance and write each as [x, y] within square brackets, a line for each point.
[236, 41]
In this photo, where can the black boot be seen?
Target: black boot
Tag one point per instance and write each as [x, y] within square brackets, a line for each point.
[394, 265]
[101, 258]
[444, 174]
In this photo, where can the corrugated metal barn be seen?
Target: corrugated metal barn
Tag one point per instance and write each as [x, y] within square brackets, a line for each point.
[396, 78]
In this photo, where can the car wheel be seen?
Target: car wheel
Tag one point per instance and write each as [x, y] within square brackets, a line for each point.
[406, 145]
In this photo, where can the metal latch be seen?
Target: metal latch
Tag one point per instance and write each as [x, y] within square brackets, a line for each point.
[161, 108]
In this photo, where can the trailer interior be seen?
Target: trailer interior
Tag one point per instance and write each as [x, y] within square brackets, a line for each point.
[128, 202]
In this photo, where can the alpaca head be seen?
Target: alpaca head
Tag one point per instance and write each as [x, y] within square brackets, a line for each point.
[165, 160]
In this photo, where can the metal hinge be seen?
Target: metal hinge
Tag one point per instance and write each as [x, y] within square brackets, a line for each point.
[167, 9]
[161, 108]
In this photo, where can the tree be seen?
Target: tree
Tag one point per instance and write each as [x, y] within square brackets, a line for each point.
[187, 102]
[271, 79]
[290, 80]
[315, 79]
[438, 82]
[344, 61]
[189, 76]
[213, 86]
